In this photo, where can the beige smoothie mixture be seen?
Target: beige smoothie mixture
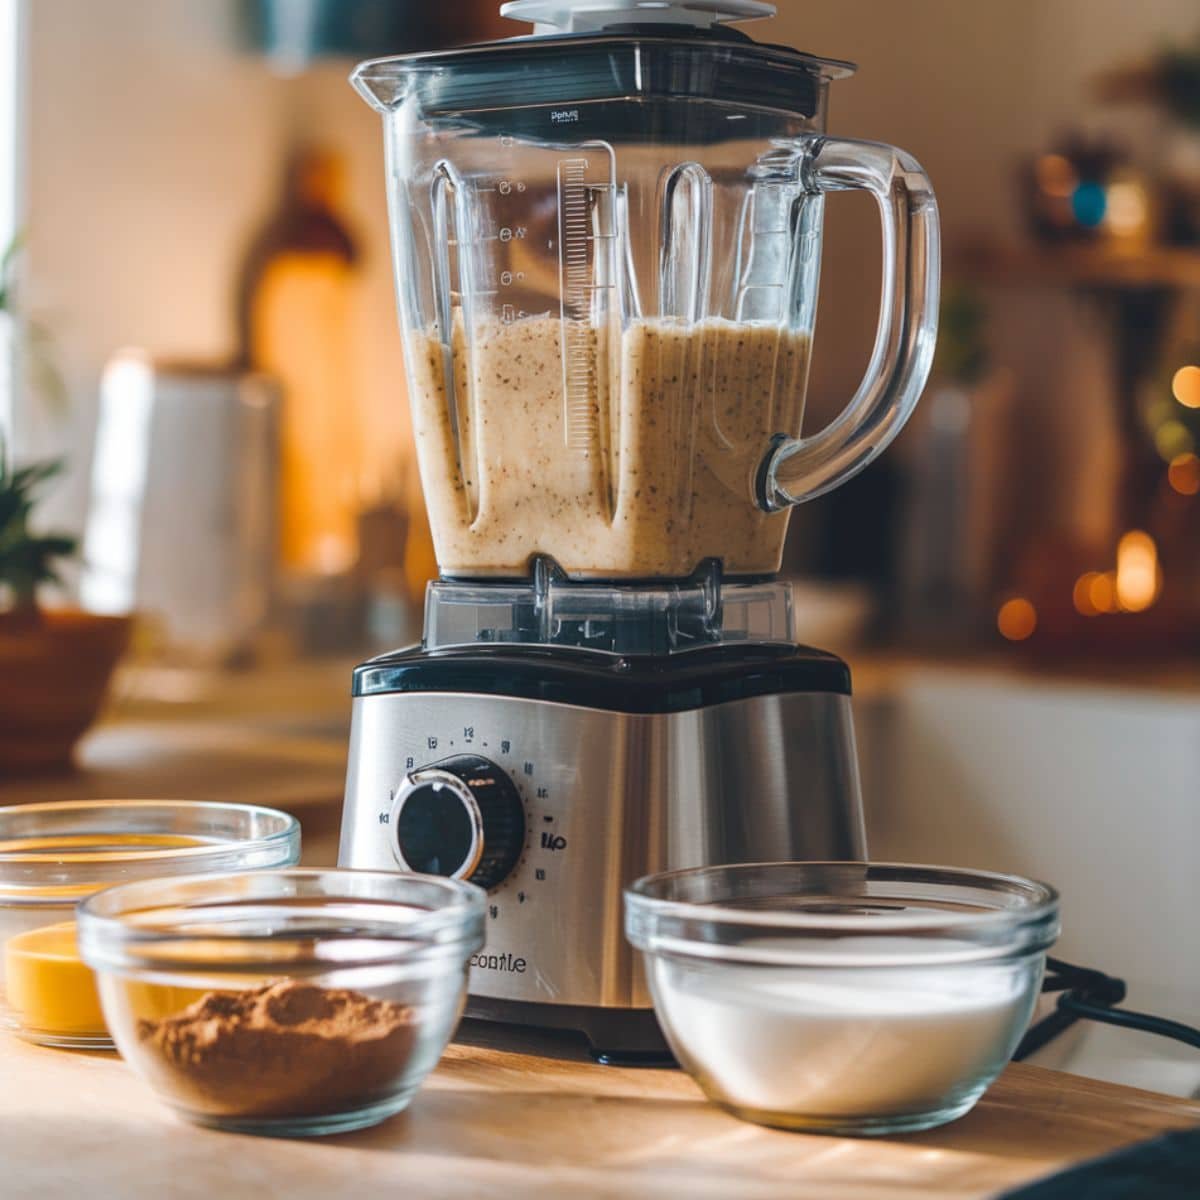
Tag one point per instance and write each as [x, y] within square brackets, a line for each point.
[658, 474]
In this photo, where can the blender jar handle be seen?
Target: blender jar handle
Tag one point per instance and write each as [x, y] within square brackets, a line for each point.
[799, 469]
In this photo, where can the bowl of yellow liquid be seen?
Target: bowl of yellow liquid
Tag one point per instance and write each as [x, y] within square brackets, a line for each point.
[54, 855]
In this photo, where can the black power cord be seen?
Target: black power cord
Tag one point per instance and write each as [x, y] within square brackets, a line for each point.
[1092, 995]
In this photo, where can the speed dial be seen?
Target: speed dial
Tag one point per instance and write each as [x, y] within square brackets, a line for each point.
[461, 817]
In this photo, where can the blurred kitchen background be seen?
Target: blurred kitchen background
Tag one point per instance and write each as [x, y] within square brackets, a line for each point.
[202, 314]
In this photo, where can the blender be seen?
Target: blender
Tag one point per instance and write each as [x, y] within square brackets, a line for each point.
[607, 242]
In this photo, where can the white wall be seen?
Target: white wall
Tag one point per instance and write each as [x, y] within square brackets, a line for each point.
[152, 148]
[11, 160]
[1091, 789]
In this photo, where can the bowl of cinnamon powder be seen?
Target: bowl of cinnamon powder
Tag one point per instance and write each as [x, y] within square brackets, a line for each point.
[287, 1002]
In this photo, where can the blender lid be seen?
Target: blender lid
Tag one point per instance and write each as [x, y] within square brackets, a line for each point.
[595, 50]
[583, 16]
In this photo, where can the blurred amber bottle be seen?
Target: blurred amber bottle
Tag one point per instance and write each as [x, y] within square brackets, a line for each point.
[295, 299]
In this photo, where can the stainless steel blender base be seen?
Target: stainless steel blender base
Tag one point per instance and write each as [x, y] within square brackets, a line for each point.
[607, 797]
[619, 1037]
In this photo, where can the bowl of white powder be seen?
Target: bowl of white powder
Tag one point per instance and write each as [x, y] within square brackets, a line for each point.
[843, 998]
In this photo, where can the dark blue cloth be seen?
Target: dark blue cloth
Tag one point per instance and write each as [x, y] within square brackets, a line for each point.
[1166, 1168]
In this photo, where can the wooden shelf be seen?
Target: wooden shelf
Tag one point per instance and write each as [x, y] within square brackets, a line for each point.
[1073, 266]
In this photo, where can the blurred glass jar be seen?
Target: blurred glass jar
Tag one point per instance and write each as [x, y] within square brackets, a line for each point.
[54, 855]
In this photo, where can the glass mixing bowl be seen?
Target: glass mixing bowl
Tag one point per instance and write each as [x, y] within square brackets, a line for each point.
[53, 855]
[290, 1003]
[846, 998]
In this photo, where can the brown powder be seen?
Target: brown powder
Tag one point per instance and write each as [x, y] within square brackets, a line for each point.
[279, 1050]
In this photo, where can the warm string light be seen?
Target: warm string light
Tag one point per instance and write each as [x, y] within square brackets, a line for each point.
[1185, 386]
[1138, 574]
[1095, 592]
[1133, 587]
[1184, 474]
[1016, 619]
[1166, 424]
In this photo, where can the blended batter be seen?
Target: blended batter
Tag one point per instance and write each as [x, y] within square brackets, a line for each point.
[663, 476]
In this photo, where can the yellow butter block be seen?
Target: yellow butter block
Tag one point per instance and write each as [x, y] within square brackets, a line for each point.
[50, 989]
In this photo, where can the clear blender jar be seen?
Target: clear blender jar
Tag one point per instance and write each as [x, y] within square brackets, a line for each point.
[607, 241]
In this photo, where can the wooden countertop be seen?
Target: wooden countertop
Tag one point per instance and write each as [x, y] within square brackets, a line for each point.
[491, 1121]
[496, 1123]
[276, 737]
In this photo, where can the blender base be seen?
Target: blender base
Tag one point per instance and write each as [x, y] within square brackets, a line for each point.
[619, 1037]
[669, 727]
[578, 772]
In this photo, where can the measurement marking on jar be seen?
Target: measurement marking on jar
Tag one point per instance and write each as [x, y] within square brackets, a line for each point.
[580, 410]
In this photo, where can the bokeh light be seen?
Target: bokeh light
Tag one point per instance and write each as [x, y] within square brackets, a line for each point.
[1138, 576]
[1173, 438]
[1158, 409]
[1103, 591]
[1089, 203]
[1185, 386]
[1055, 175]
[1128, 209]
[1017, 619]
[1184, 474]
[1082, 594]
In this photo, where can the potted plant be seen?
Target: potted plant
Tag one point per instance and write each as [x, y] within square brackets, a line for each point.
[55, 663]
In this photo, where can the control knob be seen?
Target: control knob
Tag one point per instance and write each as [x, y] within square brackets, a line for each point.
[461, 817]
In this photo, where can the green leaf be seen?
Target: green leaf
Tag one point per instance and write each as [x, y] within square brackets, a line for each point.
[57, 545]
[8, 264]
[36, 473]
[28, 479]
[37, 357]
[28, 560]
[11, 506]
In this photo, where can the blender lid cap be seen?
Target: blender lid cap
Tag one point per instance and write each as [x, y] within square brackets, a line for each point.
[593, 16]
[600, 50]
